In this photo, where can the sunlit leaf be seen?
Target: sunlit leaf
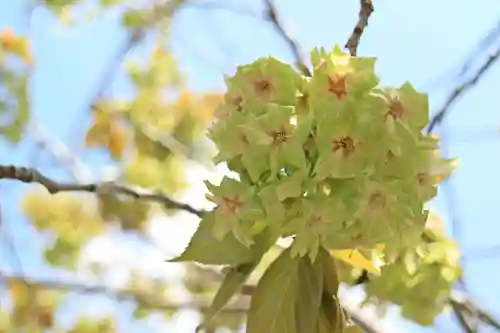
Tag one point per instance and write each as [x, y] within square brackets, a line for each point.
[272, 306]
[356, 259]
[206, 248]
[308, 303]
[232, 282]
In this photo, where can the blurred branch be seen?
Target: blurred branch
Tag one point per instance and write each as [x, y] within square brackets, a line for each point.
[150, 300]
[484, 44]
[465, 316]
[462, 89]
[470, 315]
[272, 16]
[134, 38]
[33, 176]
[114, 63]
[61, 152]
[365, 11]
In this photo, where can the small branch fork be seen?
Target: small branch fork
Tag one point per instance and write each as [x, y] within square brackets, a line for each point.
[27, 175]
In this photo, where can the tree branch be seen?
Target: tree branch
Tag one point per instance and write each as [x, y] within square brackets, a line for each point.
[365, 11]
[27, 175]
[462, 89]
[33, 176]
[470, 314]
[272, 15]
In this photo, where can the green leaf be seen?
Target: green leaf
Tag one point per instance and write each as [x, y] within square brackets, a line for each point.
[330, 275]
[353, 329]
[334, 314]
[273, 302]
[205, 248]
[309, 295]
[233, 281]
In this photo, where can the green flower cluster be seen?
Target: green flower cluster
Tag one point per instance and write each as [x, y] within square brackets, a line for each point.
[334, 160]
[420, 280]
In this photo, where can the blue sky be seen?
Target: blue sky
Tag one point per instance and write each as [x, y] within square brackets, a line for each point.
[419, 41]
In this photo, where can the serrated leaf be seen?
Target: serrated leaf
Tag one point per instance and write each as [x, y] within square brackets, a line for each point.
[330, 275]
[308, 301]
[323, 325]
[204, 247]
[330, 319]
[272, 304]
[232, 282]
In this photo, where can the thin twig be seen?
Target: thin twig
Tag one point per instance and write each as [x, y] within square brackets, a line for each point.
[462, 89]
[488, 319]
[365, 11]
[484, 44]
[27, 175]
[467, 322]
[272, 16]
